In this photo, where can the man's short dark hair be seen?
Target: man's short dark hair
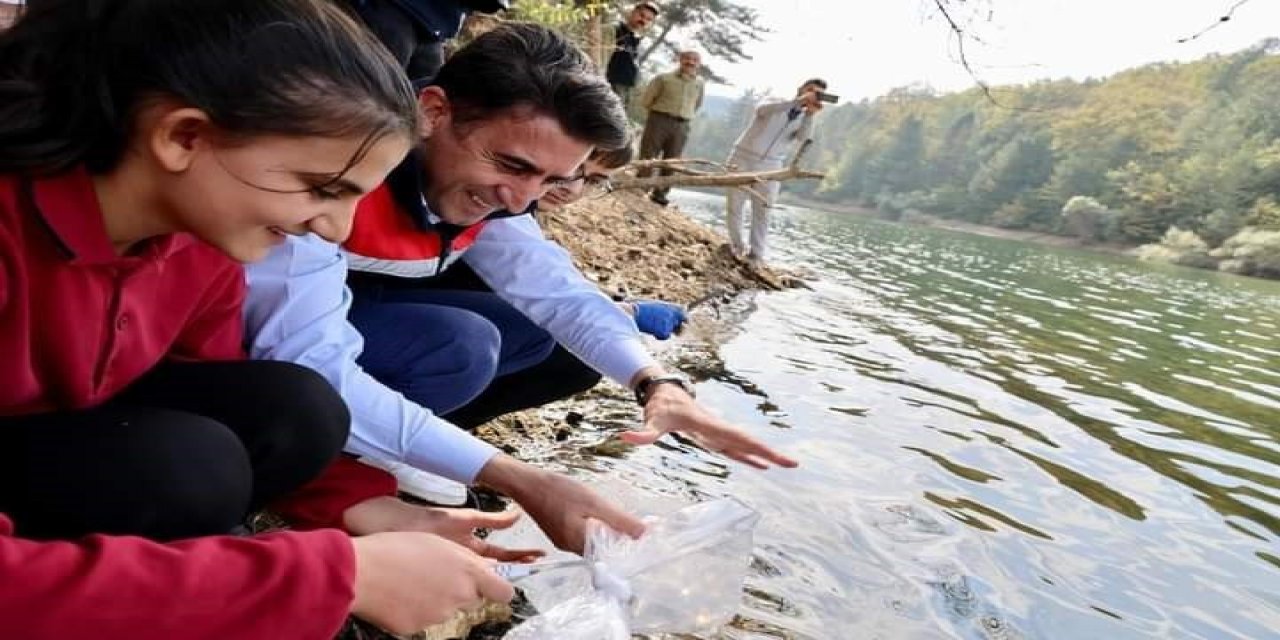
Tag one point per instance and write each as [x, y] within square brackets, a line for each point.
[818, 81]
[523, 66]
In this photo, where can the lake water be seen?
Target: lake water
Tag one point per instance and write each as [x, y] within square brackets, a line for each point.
[998, 440]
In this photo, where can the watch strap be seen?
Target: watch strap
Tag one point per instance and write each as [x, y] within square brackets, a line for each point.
[644, 389]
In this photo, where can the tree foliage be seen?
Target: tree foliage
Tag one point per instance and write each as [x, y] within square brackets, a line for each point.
[722, 29]
[1194, 146]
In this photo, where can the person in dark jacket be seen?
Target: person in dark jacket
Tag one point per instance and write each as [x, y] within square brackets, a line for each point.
[623, 71]
[415, 30]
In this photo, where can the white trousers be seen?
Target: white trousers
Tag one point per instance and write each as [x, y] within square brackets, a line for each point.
[736, 201]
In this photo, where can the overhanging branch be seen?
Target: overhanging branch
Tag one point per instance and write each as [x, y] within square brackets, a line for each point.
[745, 179]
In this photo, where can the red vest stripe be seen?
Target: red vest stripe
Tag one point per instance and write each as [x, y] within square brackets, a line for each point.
[384, 239]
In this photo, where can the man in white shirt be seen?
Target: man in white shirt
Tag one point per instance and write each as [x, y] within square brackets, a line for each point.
[777, 128]
[510, 116]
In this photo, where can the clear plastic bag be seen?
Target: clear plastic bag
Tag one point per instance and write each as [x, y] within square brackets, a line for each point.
[684, 575]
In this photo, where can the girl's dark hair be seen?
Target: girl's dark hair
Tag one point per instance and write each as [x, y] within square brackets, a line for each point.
[527, 66]
[74, 73]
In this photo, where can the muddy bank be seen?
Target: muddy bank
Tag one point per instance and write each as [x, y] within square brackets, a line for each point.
[634, 249]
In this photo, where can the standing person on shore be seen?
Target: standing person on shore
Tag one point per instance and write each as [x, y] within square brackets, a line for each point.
[146, 148]
[510, 116]
[671, 101]
[776, 130]
[623, 70]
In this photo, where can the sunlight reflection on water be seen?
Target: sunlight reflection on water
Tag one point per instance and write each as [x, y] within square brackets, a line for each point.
[998, 441]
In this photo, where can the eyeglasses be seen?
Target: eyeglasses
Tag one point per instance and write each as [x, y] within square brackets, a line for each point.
[593, 186]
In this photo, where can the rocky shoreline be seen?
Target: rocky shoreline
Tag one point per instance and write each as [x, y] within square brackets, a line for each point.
[633, 249]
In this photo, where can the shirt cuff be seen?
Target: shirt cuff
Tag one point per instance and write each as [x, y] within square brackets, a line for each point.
[625, 360]
[449, 451]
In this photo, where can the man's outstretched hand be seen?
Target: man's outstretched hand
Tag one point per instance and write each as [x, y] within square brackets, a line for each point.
[670, 408]
[559, 504]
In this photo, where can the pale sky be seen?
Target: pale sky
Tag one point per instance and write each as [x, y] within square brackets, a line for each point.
[866, 47]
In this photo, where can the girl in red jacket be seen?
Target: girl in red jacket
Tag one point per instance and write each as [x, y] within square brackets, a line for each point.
[147, 147]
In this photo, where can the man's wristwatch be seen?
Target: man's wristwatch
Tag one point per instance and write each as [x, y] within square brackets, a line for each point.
[644, 389]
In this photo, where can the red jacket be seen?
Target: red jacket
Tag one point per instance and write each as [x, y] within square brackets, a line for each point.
[79, 323]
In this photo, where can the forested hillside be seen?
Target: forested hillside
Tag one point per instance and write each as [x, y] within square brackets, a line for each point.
[1187, 154]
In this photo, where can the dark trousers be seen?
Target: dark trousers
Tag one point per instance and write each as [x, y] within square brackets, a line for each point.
[420, 54]
[464, 353]
[188, 450]
[664, 137]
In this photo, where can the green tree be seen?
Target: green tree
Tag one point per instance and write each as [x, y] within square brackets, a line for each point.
[722, 28]
[900, 168]
[1191, 145]
[1022, 164]
[1086, 218]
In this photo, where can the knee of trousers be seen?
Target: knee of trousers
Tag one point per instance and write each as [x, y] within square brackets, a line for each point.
[304, 419]
[572, 375]
[195, 480]
[471, 357]
[584, 379]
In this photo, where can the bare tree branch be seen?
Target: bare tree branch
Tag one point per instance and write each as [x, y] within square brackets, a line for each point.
[655, 42]
[744, 180]
[961, 36]
[1226, 17]
[716, 180]
[679, 164]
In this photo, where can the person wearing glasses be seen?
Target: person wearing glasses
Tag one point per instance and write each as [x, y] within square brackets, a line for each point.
[593, 179]
[654, 317]
[415, 350]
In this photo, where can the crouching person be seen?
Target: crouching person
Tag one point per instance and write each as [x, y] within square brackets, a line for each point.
[146, 150]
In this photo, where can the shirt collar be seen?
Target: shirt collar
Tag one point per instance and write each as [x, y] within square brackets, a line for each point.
[69, 207]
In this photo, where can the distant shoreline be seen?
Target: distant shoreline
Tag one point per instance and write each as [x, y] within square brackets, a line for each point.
[926, 220]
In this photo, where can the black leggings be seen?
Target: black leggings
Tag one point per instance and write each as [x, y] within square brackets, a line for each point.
[188, 450]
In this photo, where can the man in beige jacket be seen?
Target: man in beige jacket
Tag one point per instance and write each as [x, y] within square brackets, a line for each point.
[670, 100]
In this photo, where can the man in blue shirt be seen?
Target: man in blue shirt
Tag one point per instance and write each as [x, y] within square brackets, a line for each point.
[501, 126]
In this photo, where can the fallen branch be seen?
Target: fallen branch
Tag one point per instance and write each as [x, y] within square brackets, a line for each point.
[744, 180]
[676, 164]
